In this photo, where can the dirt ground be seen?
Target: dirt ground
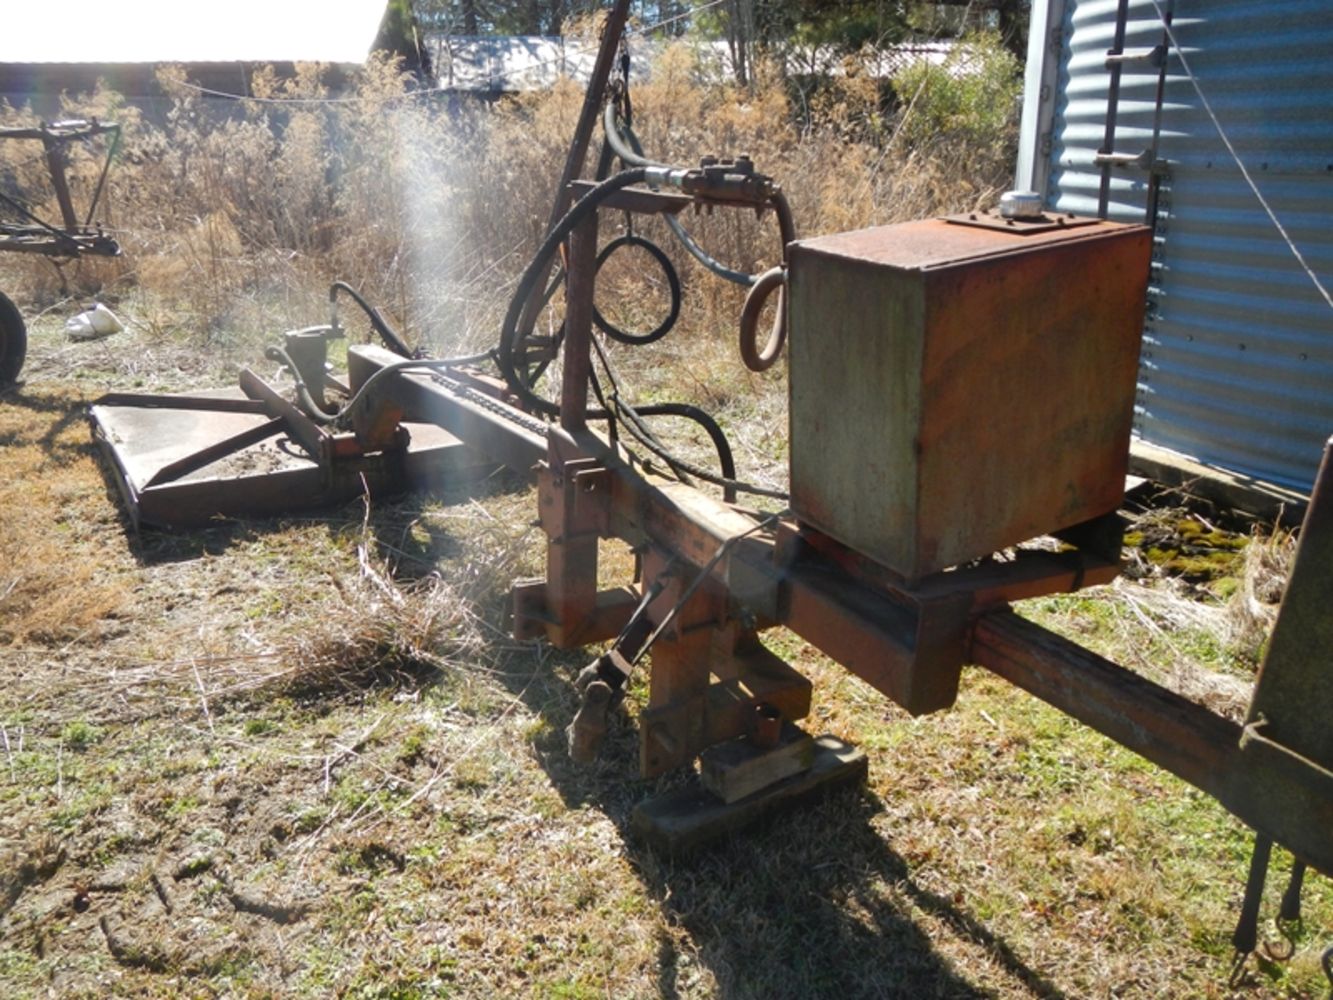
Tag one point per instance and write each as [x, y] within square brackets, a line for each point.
[301, 757]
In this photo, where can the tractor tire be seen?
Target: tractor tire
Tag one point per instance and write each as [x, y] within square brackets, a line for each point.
[13, 341]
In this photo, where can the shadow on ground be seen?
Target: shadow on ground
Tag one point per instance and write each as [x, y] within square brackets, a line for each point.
[411, 544]
[810, 903]
[64, 412]
[813, 904]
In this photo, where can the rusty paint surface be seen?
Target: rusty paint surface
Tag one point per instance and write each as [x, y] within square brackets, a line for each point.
[1293, 806]
[957, 390]
[181, 466]
[927, 244]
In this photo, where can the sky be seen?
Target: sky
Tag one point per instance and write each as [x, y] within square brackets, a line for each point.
[187, 30]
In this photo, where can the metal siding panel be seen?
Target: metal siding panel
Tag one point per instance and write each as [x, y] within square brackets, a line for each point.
[1237, 363]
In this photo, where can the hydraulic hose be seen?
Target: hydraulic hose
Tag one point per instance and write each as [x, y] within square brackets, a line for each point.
[644, 435]
[673, 291]
[344, 415]
[630, 150]
[729, 484]
[756, 358]
[725, 459]
[536, 270]
[599, 319]
[505, 358]
[341, 416]
[316, 412]
[786, 221]
[390, 336]
[704, 257]
[626, 145]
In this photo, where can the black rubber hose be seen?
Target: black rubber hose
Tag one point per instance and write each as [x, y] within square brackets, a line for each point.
[640, 430]
[341, 416]
[344, 415]
[313, 410]
[725, 459]
[756, 358]
[604, 162]
[536, 271]
[390, 336]
[786, 221]
[673, 285]
[628, 148]
[556, 338]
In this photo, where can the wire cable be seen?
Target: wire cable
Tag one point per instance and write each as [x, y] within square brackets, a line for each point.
[698, 580]
[635, 425]
[341, 417]
[1208, 108]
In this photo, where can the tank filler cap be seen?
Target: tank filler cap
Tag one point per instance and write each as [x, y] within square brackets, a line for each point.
[1025, 205]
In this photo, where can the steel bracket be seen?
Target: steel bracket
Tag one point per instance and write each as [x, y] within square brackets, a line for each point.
[673, 733]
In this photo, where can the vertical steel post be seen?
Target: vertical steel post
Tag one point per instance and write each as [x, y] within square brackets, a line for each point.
[612, 33]
[1112, 108]
[579, 282]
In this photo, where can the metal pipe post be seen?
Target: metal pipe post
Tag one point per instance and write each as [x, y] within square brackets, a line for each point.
[612, 34]
[577, 369]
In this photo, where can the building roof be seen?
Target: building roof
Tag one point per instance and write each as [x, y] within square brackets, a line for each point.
[155, 31]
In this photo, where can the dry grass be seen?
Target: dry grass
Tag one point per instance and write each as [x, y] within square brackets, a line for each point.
[235, 215]
[302, 757]
[55, 587]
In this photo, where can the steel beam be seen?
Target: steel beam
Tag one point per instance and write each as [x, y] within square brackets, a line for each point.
[1171, 731]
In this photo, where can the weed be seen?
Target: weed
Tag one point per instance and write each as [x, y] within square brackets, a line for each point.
[182, 806]
[258, 727]
[370, 857]
[309, 820]
[415, 743]
[79, 735]
[195, 866]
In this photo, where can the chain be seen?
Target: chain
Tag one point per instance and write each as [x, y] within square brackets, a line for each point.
[492, 405]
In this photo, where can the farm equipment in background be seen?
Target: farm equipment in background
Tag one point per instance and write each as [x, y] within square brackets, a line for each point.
[24, 231]
[958, 387]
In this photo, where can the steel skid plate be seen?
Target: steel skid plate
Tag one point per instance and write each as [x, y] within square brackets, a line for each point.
[181, 461]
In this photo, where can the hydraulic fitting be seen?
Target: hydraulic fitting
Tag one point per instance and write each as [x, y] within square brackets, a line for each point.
[717, 180]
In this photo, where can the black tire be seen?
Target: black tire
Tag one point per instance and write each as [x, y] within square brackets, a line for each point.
[13, 341]
[673, 284]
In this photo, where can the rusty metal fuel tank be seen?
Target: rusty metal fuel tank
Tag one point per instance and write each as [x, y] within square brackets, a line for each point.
[962, 385]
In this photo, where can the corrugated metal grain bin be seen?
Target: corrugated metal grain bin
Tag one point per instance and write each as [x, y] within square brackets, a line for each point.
[956, 389]
[1237, 362]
